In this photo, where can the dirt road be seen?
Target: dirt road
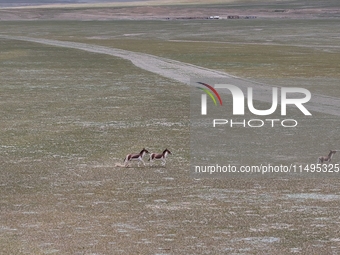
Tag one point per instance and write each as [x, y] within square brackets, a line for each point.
[183, 72]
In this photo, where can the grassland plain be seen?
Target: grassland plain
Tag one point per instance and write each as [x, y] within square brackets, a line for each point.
[68, 116]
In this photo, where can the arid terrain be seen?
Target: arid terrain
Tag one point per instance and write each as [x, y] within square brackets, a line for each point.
[81, 86]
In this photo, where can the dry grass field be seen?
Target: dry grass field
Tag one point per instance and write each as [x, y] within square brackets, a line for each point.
[68, 116]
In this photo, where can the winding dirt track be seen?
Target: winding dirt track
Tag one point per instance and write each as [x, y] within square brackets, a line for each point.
[183, 72]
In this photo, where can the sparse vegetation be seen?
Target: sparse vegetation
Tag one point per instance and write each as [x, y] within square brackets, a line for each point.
[68, 116]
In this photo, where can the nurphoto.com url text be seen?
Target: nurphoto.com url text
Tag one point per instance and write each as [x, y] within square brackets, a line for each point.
[267, 168]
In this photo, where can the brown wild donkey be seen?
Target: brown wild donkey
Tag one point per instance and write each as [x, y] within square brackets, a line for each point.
[327, 159]
[138, 157]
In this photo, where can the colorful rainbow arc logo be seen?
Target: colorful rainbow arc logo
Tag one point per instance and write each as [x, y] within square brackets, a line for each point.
[209, 93]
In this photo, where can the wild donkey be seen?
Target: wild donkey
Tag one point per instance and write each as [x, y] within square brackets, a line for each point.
[160, 156]
[328, 158]
[136, 156]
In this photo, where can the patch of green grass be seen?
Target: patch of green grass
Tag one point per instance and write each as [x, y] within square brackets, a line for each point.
[245, 60]
[64, 100]
[252, 49]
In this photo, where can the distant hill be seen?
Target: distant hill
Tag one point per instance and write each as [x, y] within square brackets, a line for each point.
[13, 3]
